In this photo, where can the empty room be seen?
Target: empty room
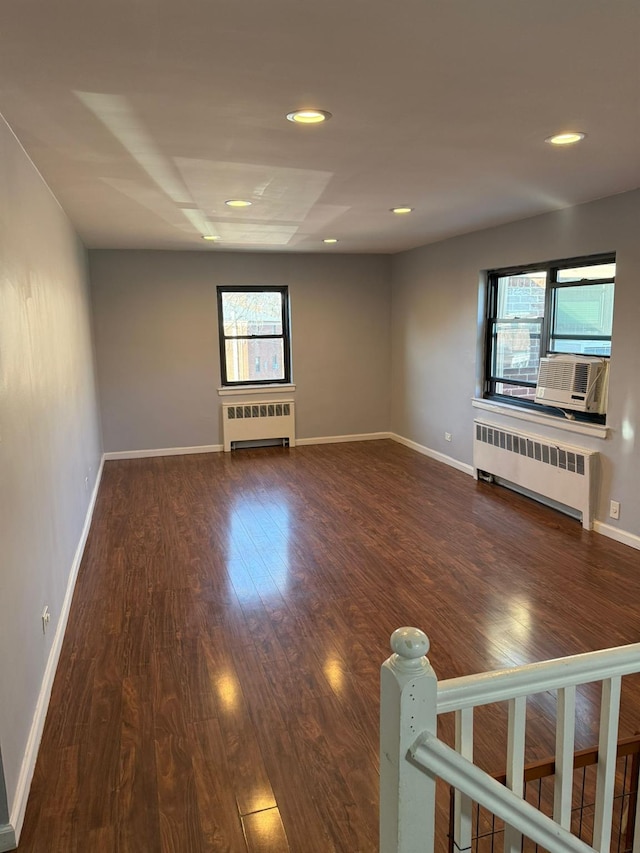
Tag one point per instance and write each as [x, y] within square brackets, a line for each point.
[316, 323]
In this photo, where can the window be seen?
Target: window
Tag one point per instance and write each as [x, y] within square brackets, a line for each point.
[254, 335]
[559, 307]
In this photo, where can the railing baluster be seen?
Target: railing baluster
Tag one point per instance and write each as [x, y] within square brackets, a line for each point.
[633, 827]
[565, 742]
[463, 805]
[411, 699]
[634, 818]
[607, 754]
[441, 760]
[623, 815]
[516, 734]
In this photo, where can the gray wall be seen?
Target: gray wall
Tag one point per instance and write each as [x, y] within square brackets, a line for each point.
[436, 334]
[156, 338]
[49, 434]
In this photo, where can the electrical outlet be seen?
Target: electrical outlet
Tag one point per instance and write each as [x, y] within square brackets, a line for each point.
[447, 436]
[614, 509]
[46, 618]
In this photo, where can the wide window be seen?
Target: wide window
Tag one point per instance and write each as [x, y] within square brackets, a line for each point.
[559, 307]
[254, 335]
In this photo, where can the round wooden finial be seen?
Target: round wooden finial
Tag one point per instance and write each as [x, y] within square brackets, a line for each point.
[409, 643]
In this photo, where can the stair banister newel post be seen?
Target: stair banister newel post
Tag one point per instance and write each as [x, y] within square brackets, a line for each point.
[408, 701]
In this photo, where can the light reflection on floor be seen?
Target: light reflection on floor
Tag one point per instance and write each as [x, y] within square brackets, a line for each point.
[258, 554]
[334, 671]
[228, 691]
[508, 637]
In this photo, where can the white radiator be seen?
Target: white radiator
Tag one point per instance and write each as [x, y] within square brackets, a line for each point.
[256, 421]
[560, 472]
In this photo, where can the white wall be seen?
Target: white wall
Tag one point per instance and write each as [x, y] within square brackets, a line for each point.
[436, 334]
[158, 358]
[49, 434]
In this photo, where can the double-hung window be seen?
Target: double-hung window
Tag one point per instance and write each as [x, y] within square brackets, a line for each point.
[255, 346]
[558, 307]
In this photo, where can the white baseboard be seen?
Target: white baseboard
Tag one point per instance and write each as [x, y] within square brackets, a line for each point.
[35, 734]
[433, 454]
[615, 533]
[165, 451]
[338, 439]
[218, 448]
[8, 840]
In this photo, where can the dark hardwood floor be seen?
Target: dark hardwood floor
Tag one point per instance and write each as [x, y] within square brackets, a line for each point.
[218, 684]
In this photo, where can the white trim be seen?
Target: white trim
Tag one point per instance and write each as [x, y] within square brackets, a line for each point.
[500, 685]
[37, 725]
[434, 454]
[440, 760]
[217, 448]
[239, 390]
[8, 840]
[164, 451]
[623, 536]
[338, 439]
[594, 430]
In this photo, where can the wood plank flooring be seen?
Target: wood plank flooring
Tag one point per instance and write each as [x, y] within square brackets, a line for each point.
[218, 684]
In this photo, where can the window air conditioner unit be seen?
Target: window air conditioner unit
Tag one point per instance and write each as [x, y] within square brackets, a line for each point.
[575, 382]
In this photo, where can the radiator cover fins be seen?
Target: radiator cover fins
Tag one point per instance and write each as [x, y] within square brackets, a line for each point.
[258, 420]
[562, 473]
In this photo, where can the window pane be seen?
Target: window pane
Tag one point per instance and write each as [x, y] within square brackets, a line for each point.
[593, 271]
[521, 295]
[583, 310]
[522, 392]
[578, 347]
[516, 351]
[252, 313]
[255, 360]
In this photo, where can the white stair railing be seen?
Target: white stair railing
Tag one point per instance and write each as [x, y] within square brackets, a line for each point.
[412, 757]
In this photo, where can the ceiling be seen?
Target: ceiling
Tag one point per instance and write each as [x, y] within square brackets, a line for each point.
[144, 116]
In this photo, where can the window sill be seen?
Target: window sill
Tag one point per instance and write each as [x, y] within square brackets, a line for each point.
[594, 430]
[229, 391]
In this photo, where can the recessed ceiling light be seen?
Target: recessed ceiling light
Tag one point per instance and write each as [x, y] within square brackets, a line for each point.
[210, 237]
[238, 202]
[401, 210]
[308, 116]
[329, 240]
[565, 138]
